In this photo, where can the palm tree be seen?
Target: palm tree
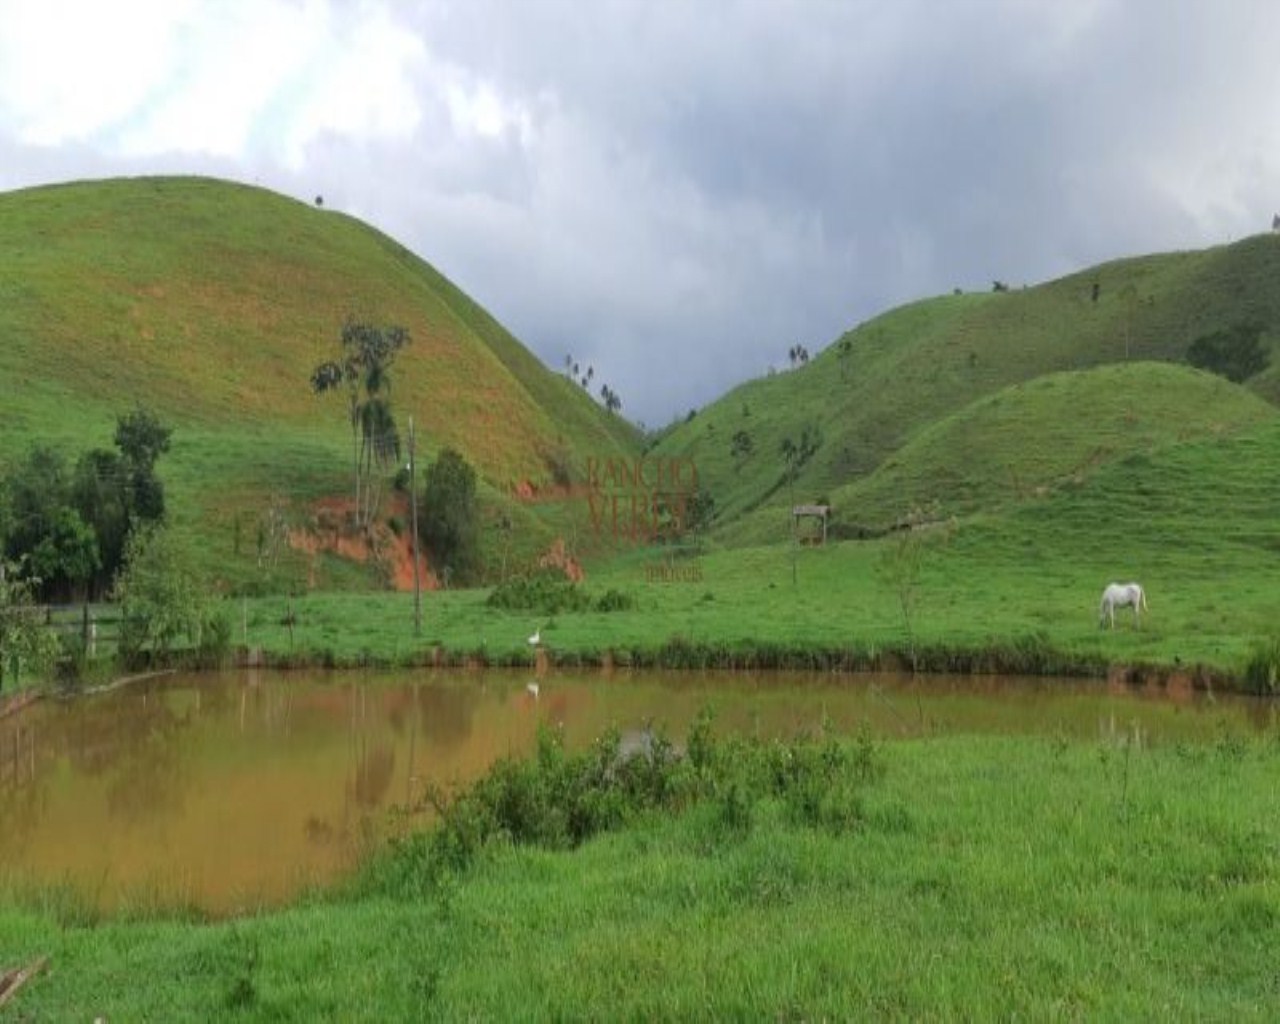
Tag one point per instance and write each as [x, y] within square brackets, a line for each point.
[364, 369]
[381, 443]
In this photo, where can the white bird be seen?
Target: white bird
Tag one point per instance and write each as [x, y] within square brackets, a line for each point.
[532, 687]
[536, 638]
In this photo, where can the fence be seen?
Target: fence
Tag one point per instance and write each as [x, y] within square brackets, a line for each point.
[97, 626]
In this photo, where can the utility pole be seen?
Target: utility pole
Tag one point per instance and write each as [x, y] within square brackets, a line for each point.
[413, 505]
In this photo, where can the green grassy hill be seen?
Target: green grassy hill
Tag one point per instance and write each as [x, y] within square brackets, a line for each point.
[871, 396]
[211, 302]
[1033, 439]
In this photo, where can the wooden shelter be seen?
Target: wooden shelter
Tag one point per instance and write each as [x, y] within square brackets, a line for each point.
[821, 512]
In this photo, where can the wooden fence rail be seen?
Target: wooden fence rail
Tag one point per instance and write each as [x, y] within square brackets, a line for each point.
[97, 625]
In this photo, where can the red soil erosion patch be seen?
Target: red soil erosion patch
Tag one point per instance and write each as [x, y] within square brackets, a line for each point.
[331, 530]
[557, 558]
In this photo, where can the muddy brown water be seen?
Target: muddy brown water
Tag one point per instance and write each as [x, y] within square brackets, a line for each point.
[234, 791]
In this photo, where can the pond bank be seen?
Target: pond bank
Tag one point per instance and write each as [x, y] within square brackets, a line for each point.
[1018, 657]
[15, 702]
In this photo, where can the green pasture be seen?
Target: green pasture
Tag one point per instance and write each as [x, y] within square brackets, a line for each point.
[966, 877]
[1193, 522]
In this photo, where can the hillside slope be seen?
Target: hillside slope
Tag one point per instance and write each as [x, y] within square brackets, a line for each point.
[211, 302]
[877, 387]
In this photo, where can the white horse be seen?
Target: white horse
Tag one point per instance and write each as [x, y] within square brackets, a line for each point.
[1121, 595]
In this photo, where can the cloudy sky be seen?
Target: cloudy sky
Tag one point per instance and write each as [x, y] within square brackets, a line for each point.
[676, 191]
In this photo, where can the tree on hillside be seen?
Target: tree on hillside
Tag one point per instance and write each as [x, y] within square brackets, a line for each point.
[142, 439]
[380, 447]
[363, 369]
[67, 555]
[34, 490]
[98, 494]
[1234, 352]
[610, 398]
[449, 523]
[69, 530]
[54, 547]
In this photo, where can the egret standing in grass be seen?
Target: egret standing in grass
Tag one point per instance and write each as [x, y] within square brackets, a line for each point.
[536, 639]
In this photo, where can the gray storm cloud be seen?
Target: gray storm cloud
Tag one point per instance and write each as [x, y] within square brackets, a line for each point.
[677, 193]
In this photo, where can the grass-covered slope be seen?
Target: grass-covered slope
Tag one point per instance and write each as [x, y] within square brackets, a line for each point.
[1049, 433]
[211, 302]
[1194, 522]
[873, 390]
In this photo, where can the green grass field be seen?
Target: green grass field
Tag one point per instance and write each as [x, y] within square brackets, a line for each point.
[967, 877]
[1186, 520]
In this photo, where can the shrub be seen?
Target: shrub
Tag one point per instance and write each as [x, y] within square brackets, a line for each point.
[1235, 352]
[448, 522]
[546, 591]
[558, 800]
[162, 599]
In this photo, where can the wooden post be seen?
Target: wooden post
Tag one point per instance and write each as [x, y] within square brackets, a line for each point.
[413, 505]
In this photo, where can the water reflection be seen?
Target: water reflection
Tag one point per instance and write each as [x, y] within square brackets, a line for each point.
[230, 791]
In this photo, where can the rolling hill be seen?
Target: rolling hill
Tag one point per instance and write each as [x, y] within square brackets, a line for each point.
[895, 406]
[210, 303]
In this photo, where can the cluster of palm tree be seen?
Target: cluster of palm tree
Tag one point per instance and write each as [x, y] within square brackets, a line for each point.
[573, 369]
[610, 398]
[576, 373]
[364, 370]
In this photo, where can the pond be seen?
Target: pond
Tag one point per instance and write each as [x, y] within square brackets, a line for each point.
[233, 791]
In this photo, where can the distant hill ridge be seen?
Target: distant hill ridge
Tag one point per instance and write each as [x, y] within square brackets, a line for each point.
[873, 394]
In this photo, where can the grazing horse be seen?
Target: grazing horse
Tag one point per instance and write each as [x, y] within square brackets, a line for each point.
[1121, 595]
